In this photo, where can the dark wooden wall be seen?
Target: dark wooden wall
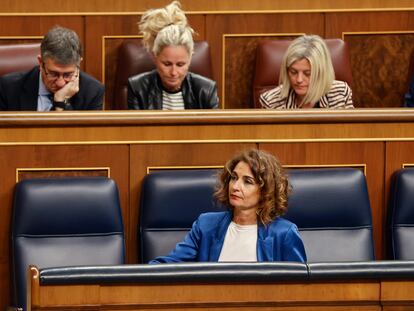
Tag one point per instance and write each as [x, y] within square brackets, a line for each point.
[124, 145]
[380, 44]
[105, 6]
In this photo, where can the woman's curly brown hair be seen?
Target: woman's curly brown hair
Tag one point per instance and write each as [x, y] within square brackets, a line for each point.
[271, 178]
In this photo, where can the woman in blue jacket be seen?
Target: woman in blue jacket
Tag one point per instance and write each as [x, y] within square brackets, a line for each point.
[255, 188]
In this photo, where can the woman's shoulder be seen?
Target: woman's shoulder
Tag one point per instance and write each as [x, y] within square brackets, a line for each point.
[338, 85]
[272, 98]
[213, 216]
[209, 221]
[199, 80]
[338, 97]
[272, 92]
[282, 224]
[144, 77]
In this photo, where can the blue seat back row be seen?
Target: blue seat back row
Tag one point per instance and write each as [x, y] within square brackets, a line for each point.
[330, 206]
[77, 221]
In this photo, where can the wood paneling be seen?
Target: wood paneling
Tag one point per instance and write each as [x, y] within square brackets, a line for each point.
[379, 53]
[340, 22]
[397, 296]
[97, 28]
[381, 74]
[110, 54]
[334, 295]
[29, 173]
[24, 6]
[38, 25]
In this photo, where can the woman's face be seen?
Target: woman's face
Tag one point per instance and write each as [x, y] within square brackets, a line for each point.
[244, 192]
[299, 76]
[172, 65]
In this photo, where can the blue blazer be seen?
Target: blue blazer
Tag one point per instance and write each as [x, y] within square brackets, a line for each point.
[277, 241]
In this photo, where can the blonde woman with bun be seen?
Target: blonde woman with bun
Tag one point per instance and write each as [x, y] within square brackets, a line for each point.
[307, 79]
[169, 38]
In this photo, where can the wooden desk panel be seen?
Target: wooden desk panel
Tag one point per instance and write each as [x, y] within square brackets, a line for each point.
[44, 6]
[350, 295]
[130, 142]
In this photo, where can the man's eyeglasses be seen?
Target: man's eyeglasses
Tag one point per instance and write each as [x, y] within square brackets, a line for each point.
[54, 75]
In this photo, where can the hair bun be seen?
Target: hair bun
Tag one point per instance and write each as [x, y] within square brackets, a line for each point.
[154, 20]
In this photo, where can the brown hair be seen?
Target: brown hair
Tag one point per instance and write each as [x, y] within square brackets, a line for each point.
[270, 176]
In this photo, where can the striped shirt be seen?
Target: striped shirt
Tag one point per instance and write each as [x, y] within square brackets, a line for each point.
[338, 97]
[172, 101]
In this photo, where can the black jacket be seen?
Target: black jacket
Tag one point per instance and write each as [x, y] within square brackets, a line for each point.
[145, 92]
[19, 92]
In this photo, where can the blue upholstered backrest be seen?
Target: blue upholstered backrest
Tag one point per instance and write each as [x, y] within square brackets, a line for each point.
[64, 221]
[332, 210]
[402, 215]
[170, 202]
[330, 206]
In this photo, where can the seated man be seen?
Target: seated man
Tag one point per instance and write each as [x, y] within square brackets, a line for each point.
[57, 83]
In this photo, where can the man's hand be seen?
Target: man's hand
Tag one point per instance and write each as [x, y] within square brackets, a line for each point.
[70, 89]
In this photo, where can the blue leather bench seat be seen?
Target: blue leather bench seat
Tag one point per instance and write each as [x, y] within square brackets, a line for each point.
[381, 269]
[177, 272]
[228, 272]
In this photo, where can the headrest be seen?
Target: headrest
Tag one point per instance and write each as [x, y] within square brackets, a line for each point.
[18, 57]
[79, 205]
[328, 197]
[188, 191]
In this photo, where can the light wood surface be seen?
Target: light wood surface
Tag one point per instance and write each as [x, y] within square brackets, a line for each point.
[333, 295]
[127, 143]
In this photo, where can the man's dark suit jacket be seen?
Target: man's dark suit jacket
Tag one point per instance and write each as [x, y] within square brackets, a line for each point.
[19, 91]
